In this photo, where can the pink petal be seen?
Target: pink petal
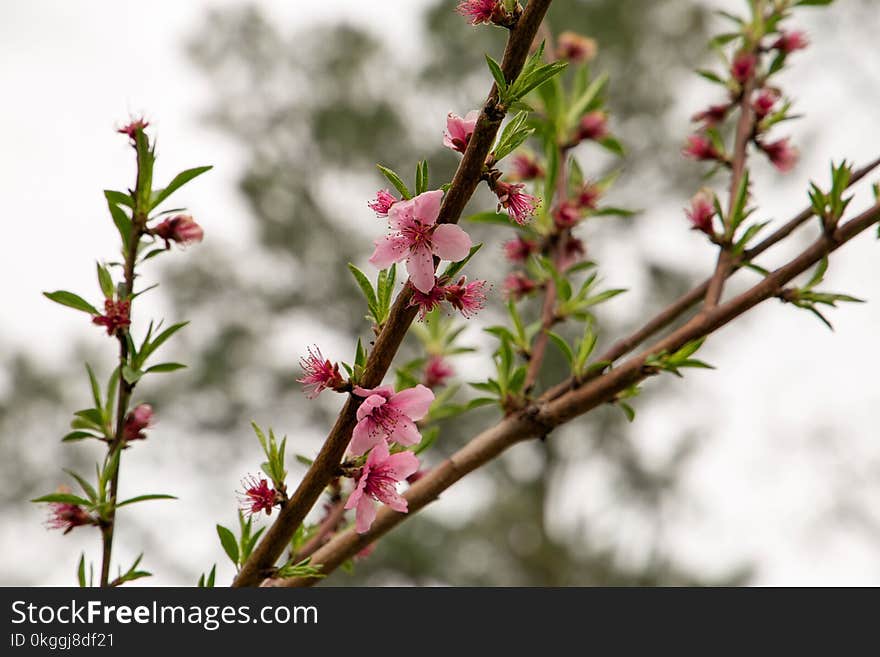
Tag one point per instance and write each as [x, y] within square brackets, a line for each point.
[366, 434]
[385, 391]
[450, 242]
[413, 402]
[427, 206]
[393, 499]
[389, 249]
[420, 266]
[403, 464]
[405, 431]
[365, 514]
[400, 215]
[378, 455]
[358, 491]
[370, 404]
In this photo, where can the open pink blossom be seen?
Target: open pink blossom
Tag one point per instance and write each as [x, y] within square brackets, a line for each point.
[416, 237]
[519, 249]
[257, 496]
[459, 130]
[467, 298]
[385, 415]
[382, 203]
[519, 205]
[378, 481]
[481, 11]
[782, 154]
[701, 212]
[319, 374]
[67, 516]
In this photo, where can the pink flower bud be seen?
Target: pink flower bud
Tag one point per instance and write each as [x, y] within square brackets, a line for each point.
[525, 167]
[519, 205]
[517, 285]
[701, 212]
[588, 196]
[519, 249]
[764, 102]
[575, 48]
[699, 147]
[459, 130]
[593, 125]
[116, 316]
[138, 419]
[712, 115]
[382, 203]
[180, 228]
[567, 215]
[743, 66]
[788, 42]
[437, 372]
[132, 128]
[782, 155]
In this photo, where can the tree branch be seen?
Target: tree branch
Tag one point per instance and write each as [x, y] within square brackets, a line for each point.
[464, 183]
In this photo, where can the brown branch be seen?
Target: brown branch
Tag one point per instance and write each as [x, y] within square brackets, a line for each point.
[464, 183]
[537, 420]
[680, 306]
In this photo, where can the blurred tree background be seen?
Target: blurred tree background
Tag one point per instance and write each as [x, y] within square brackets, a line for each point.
[311, 113]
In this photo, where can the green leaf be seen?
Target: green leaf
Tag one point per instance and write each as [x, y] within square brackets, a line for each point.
[498, 74]
[88, 489]
[120, 219]
[611, 144]
[813, 3]
[422, 177]
[130, 375]
[584, 101]
[628, 410]
[71, 300]
[144, 498]
[177, 182]
[119, 198]
[365, 285]
[230, 545]
[454, 267]
[563, 346]
[78, 435]
[96, 389]
[395, 180]
[711, 77]
[148, 348]
[63, 498]
[489, 217]
[81, 571]
[105, 281]
[164, 367]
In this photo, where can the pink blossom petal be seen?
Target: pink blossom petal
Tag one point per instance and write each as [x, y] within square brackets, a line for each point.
[450, 242]
[405, 431]
[378, 455]
[403, 464]
[356, 494]
[413, 402]
[389, 249]
[394, 500]
[365, 514]
[370, 404]
[420, 266]
[426, 207]
[384, 391]
[401, 214]
[366, 434]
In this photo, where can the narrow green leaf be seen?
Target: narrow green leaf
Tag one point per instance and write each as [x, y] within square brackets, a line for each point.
[230, 545]
[164, 367]
[105, 281]
[71, 300]
[144, 498]
[563, 346]
[63, 498]
[395, 180]
[497, 74]
[177, 182]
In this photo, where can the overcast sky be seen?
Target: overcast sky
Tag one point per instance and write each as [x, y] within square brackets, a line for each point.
[72, 71]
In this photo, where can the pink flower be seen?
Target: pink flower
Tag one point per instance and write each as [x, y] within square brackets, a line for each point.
[571, 253]
[743, 66]
[382, 203]
[180, 228]
[116, 316]
[481, 11]
[428, 301]
[388, 415]
[417, 237]
[517, 285]
[519, 205]
[459, 130]
[575, 47]
[378, 481]
[525, 167]
[467, 298]
[138, 419]
[702, 211]
[132, 128]
[66, 516]
[437, 371]
[782, 154]
[519, 249]
[257, 496]
[712, 115]
[700, 147]
[588, 196]
[319, 374]
[764, 102]
[593, 125]
[566, 215]
[788, 42]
